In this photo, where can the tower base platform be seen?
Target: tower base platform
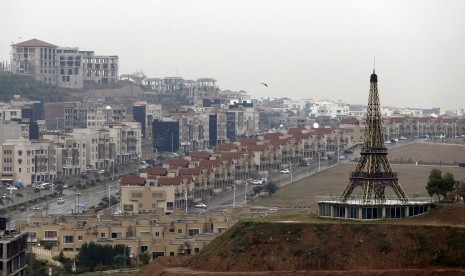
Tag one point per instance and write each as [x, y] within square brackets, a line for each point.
[357, 209]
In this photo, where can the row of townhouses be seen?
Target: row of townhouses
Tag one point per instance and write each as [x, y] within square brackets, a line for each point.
[66, 67]
[156, 234]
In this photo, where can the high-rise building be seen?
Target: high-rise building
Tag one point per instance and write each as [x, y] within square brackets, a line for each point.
[65, 67]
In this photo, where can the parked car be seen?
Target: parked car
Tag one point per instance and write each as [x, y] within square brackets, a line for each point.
[402, 138]
[304, 164]
[257, 182]
[348, 151]
[13, 188]
[60, 201]
[284, 171]
[200, 205]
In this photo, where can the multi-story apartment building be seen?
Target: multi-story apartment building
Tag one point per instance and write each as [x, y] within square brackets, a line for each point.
[145, 113]
[70, 73]
[66, 67]
[17, 162]
[35, 58]
[13, 246]
[89, 115]
[156, 233]
[99, 69]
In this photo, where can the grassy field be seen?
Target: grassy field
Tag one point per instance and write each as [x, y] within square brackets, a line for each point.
[332, 181]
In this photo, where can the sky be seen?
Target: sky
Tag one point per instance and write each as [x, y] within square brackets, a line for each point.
[320, 49]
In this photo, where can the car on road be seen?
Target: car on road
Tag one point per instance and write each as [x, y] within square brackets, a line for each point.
[348, 151]
[304, 164]
[13, 188]
[387, 142]
[284, 171]
[257, 182]
[60, 201]
[35, 208]
[402, 138]
[200, 205]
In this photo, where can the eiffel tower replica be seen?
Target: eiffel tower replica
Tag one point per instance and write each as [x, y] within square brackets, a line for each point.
[373, 172]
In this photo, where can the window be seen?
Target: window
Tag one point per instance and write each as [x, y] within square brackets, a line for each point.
[157, 234]
[143, 248]
[102, 235]
[79, 238]
[179, 231]
[68, 239]
[50, 234]
[193, 232]
[171, 254]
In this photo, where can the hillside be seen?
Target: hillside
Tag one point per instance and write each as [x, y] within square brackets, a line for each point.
[26, 86]
[305, 243]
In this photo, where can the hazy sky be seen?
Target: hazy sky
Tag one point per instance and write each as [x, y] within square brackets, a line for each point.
[302, 49]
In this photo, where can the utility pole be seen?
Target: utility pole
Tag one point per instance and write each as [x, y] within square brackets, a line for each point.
[245, 195]
[234, 196]
[319, 156]
[109, 197]
[185, 196]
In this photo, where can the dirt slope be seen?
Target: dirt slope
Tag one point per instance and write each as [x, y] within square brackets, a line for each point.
[430, 245]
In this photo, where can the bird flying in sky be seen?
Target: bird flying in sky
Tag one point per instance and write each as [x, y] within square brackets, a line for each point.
[264, 84]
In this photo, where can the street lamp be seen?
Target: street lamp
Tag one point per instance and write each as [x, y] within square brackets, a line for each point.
[338, 154]
[77, 206]
[245, 195]
[234, 196]
[109, 197]
[319, 156]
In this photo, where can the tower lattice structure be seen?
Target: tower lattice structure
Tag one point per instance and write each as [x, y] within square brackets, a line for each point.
[373, 172]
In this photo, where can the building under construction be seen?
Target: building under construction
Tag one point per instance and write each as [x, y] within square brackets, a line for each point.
[371, 177]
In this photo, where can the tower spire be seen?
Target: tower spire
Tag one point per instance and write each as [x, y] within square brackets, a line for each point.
[373, 172]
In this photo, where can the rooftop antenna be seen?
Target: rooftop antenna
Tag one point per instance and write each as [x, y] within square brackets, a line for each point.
[374, 64]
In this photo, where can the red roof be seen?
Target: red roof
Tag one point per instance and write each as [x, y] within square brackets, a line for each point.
[274, 135]
[278, 142]
[179, 162]
[190, 171]
[323, 130]
[170, 180]
[34, 43]
[247, 141]
[295, 130]
[209, 163]
[200, 155]
[229, 146]
[301, 136]
[257, 147]
[156, 171]
[132, 180]
[349, 121]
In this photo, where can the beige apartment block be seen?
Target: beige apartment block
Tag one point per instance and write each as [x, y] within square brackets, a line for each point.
[35, 58]
[66, 67]
[155, 233]
[17, 162]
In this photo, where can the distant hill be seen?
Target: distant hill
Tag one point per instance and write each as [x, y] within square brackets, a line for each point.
[13, 84]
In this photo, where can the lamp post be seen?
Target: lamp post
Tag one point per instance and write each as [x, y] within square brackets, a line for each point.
[338, 154]
[77, 202]
[245, 195]
[234, 196]
[109, 197]
[290, 170]
[185, 196]
[319, 156]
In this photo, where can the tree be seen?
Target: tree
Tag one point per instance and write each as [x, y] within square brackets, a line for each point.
[271, 188]
[440, 185]
[144, 257]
